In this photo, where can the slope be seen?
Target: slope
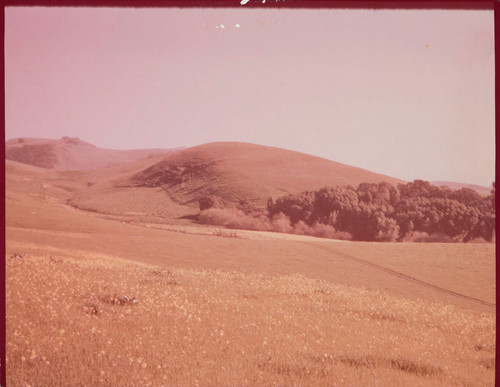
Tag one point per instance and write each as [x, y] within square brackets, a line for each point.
[37, 220]
[69, 153]
[242, 171]
[454, 185]
[235, 172]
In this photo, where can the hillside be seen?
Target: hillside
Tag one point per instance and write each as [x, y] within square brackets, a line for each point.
[127, 302]
[70, 153]
[171, 186]
[454, 185]
[235, 171]
[36, 216]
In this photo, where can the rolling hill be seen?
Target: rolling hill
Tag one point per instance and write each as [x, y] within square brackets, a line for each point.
[171, 185]
[70, 153]
[454, 185]
[235, 171]
[36, 215]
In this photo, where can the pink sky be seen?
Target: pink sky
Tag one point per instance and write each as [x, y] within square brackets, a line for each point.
[406, 93]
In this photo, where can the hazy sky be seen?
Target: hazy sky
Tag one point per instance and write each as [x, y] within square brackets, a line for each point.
[407, 93]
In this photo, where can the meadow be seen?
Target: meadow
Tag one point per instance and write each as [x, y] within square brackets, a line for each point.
[91, 319]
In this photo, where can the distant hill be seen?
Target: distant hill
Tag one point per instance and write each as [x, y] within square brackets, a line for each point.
[170, 186]
[70, 153]
[453, 185]
[235, 171]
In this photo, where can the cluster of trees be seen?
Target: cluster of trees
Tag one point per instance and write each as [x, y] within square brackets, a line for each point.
[383, 212]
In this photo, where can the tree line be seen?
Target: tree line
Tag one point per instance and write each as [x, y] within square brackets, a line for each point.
[383, 212]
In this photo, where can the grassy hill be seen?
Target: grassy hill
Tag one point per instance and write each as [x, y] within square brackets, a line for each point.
[69, 153]
[235, 171]
[171, 185]
[454, 185]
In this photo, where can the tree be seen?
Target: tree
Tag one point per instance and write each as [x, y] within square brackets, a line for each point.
[381, 194]
[296, 207]
[336, 206]
[371, 223]
[382, 212]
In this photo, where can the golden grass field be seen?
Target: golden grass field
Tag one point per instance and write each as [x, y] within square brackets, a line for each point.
[97, 299]
[68, 323]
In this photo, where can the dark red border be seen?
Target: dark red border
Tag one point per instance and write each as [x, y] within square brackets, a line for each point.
[497, 120]
[2, 173]
[365, 4]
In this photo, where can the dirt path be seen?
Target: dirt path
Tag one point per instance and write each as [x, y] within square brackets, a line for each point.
[401, 275]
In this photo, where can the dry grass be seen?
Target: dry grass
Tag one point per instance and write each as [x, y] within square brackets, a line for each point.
[72, 320]
[230, 170]
[71, 154]
[79, 314]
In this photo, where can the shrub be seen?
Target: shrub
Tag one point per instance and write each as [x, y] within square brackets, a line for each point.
[234, 218]
[210, 201]
[281, 223]
[422, 237]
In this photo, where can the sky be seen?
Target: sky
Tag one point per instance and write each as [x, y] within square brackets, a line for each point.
[406, 93]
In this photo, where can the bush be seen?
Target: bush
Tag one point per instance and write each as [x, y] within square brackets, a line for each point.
[236, 219]
[281, 223]
[423, 237]
[210, 201]
[321, 230]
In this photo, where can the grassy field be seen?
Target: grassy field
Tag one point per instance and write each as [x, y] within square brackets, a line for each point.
[93, 319]
[94, 299]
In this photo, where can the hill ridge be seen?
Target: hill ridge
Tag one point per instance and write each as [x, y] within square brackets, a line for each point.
[238, 170]
[70, 153]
